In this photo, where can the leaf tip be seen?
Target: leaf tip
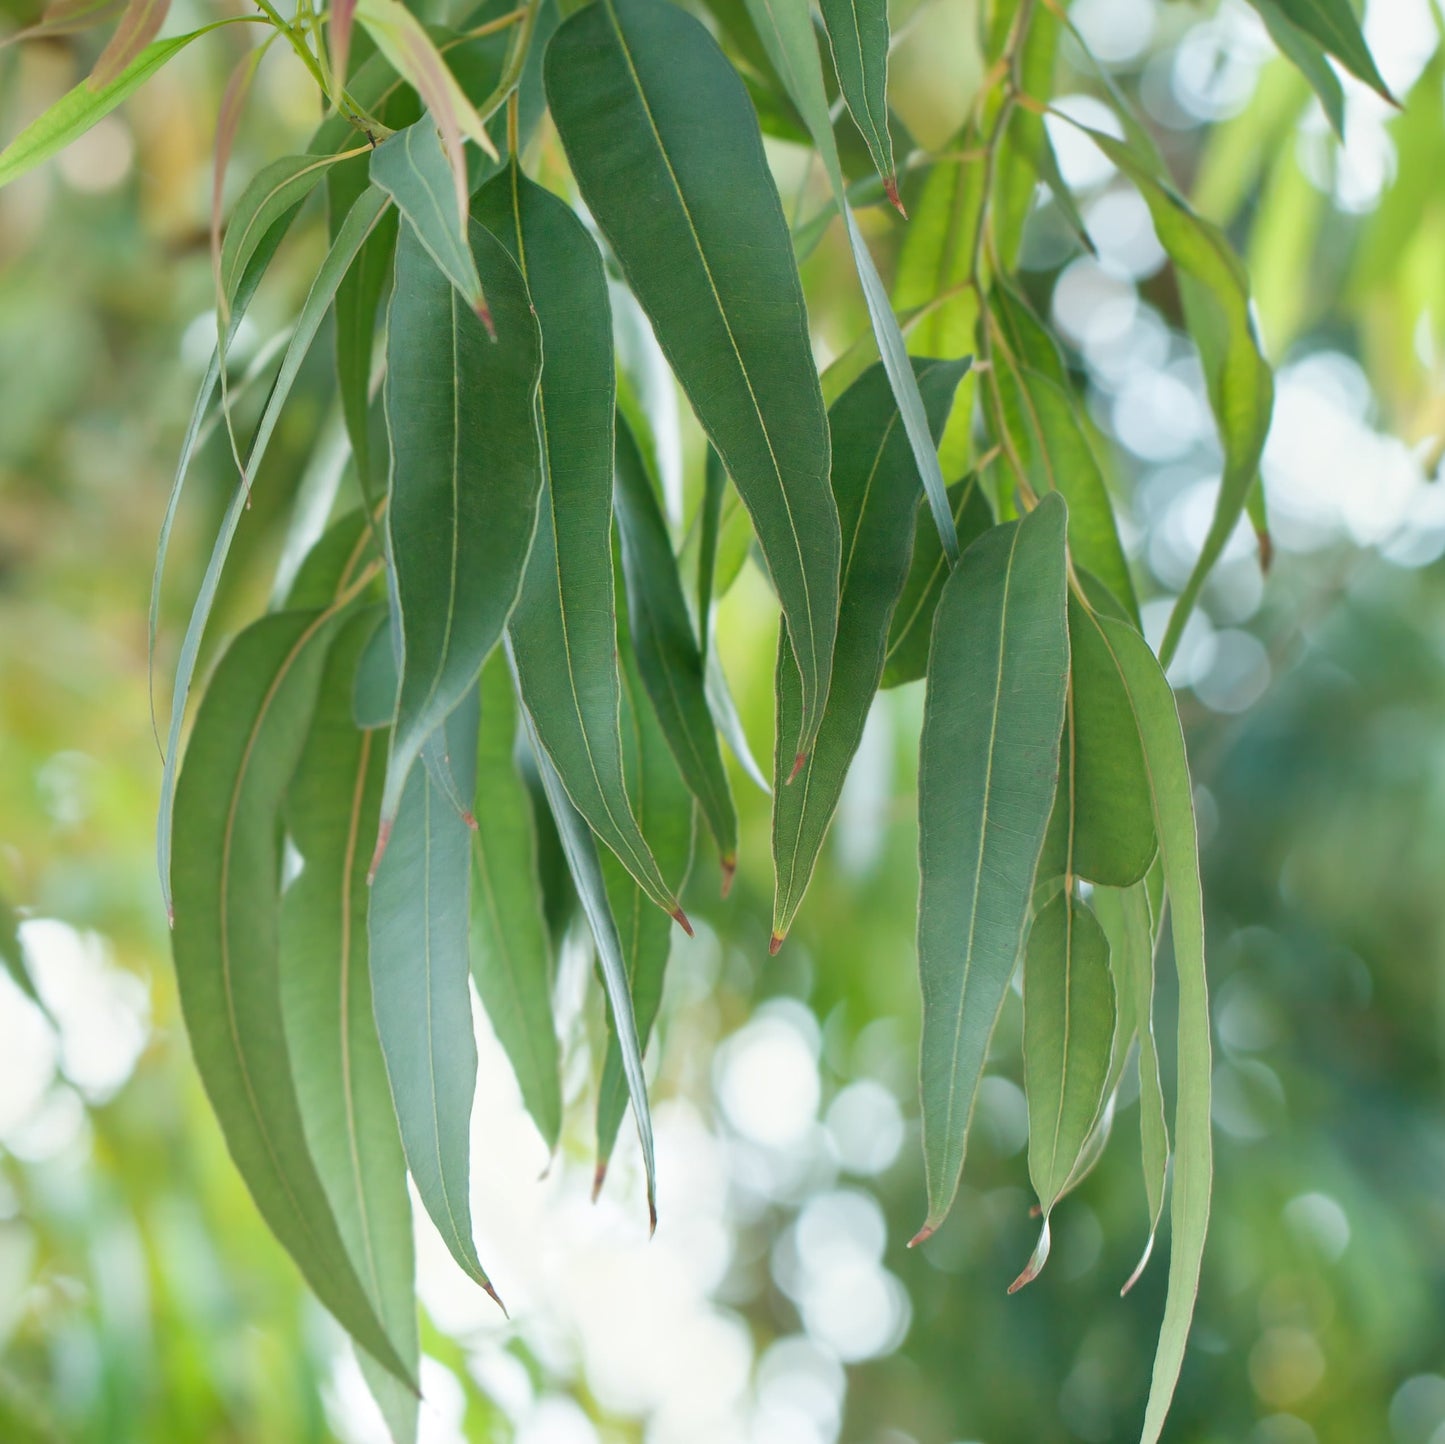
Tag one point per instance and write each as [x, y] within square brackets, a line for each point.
[484, 315]
[923, 1235]
[680, 918]
[729, 865]
[799, 762]
[1037, 1260]
[1138, 1268]
[890, 187]
[1266, 549]
[383, 836]
[486, 1284]
[775, 943]
[599, 1177]
[470, 818]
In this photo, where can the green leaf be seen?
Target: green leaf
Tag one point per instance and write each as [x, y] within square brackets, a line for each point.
[1332, 24]
[274, 192]
[1042, 419]
[404, 41]
[876, 486]
[1126, 918]
[245, 745]
[988, 762]
[1309, 59]
[1215, 291]
[359, 223]
[338, 554]
[665, 810]
[1068, 1038]
[1102, 827]
[647, 106]
[563, 631]
[580, 849]
[511, 952]
[466, 474]
[668, 659]
[858, 35]
[1164, 755]
[911, 629]
[79, 109]
[420, 961]
[786, 30]
[410, 167]
[341, 1085]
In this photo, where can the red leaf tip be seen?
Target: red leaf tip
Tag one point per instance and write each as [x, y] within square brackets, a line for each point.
[923, 1235]
[484, 315]
[729, 865]
[890, 186]
[470, 818]
[598, 1179]
[680, 918]
[496, 1297]
[383, 836]
[798, 763]
[774, 943]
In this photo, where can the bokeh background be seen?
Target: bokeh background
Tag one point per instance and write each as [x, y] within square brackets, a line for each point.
[141, 1299]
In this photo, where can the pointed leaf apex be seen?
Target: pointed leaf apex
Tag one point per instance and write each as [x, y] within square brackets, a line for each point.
[470, 818]
[1138, 1268]
[729, 866]
[1036, 1261]
[775, 943]
[798, 763]
[383, 836]
[495, 1296]
[599, 1178]
[484, 315]
[680, 918]
[923, 1235]
[890, 186]
[1266, 550]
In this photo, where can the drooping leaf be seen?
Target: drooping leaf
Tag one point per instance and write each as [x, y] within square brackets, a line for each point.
[403, 40]
[1126, 917]
[667, 655]
[511, 952]
[466, 474]
[563, 631]
[79, 109]
[786, 30]
[64, 17]
[420, 962]
[1168, 765]
[858, 34]
[410, 167]
[1308, 58]
[1102, 827]
[225, 882]
[1069, 1016]
[988, 762]
[276, 190]
[349, 239]
[1215, 290]
[140, 23]
[647, 106]
[911, 629]
[585, 866]
[1332, 25]
[665, 810]
[877, 487]
[341, 1086]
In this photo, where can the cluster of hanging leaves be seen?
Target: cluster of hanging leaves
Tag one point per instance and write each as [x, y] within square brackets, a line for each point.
[497, 634]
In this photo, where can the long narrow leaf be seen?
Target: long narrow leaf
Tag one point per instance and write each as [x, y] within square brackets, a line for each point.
[246, 742]
[858, 35]
[341, 1085]
[877, 488]
[359, 223]
[988, 762]
[648, 107]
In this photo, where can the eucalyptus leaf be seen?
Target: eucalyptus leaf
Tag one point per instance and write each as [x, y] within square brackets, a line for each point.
[563, 631]
[247, 739]
[858, 35]
[877, 487]
[511, 952]
[341, 1085]
[1164, 754]
[988, 763]
[667, 656]
[1333, 26]
[466, 476]
[420, 961]
[647, 106]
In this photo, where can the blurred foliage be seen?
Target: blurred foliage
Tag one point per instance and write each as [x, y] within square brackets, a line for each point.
[141, 1299]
